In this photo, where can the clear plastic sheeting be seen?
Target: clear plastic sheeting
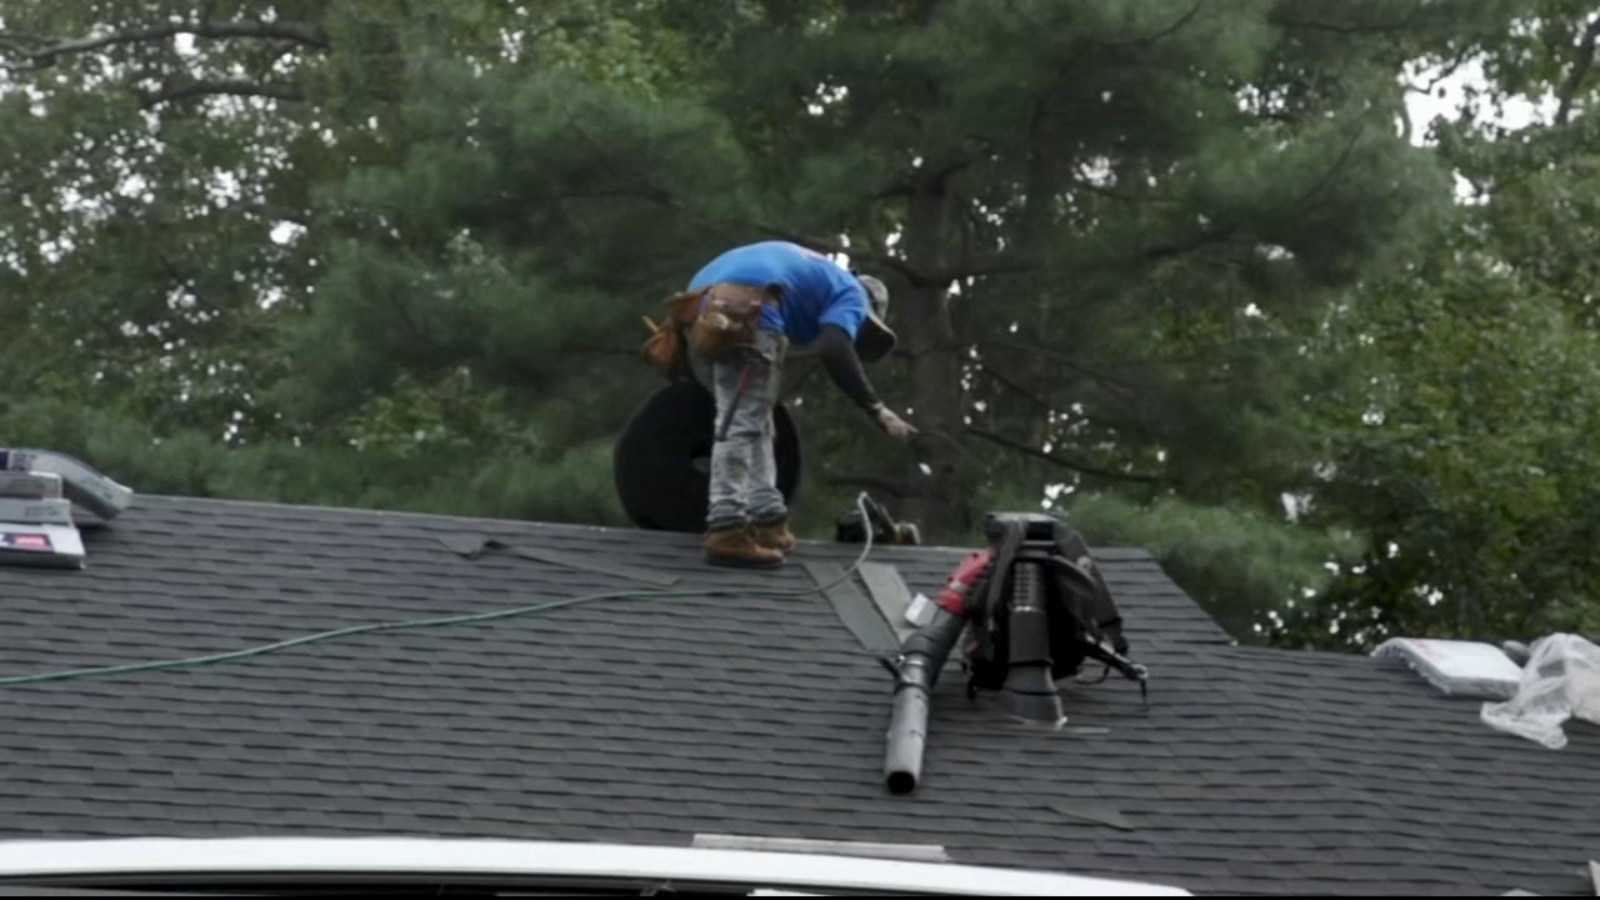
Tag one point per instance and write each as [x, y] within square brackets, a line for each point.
[1561, 680]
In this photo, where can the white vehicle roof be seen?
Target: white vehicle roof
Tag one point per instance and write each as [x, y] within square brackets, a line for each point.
[772, 874]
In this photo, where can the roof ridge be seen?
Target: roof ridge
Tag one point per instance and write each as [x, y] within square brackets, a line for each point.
[1124, 552]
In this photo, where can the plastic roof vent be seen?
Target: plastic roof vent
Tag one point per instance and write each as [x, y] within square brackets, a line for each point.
[38, 492]
[1458, 668]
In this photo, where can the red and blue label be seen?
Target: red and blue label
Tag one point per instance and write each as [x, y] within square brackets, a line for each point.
[26, 540]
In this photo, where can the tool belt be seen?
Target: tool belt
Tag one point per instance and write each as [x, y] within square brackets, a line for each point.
[718, 320]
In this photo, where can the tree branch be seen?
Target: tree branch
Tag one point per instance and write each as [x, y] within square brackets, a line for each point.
[1178, 248]
[940, 175]
[1050, 407]
[999, 266]
[1402, 24]
[649, 188]
[223, 89]
[1580, 71]
[45, 55]
[1022, 391]
[1172, 29]
[1075, 466]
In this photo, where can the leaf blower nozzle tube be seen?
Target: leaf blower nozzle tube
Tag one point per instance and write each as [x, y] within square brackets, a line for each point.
[1033, 689]
[915, 672]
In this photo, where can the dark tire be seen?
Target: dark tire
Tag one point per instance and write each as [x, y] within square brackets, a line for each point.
[661, 463]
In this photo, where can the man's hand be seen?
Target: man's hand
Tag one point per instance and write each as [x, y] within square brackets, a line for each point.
[893, 425]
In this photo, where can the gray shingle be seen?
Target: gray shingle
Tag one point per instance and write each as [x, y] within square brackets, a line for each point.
[1256, 771]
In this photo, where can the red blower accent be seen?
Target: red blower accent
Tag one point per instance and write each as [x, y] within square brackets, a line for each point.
[954, 598]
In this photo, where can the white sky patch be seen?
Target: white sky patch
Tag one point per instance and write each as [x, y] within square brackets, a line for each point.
[1098, 172]
[1447, 96]
[181, 298]
[271, 296]
[1295, 505]
[286, 63]
[74, 202]
[285, 233]
[842, 259]
[826, 96]
[1428, 592]
[135, 187]
[56, 249]
[511, 44]
[224, 188]
[1253, 311]
[1444, 101]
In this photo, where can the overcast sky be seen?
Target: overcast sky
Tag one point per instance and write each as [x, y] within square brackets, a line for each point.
[1424, 108]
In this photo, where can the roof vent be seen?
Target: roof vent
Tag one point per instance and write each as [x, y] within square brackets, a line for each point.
[38, 489]
[1457, 668]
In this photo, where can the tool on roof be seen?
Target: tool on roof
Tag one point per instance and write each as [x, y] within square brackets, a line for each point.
[1035, 608]
[853, 527]
[38, 489]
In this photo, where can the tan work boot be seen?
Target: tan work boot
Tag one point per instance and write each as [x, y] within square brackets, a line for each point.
[735, 548]
[774, 536]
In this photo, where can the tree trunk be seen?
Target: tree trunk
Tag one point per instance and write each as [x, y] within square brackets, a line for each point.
[942, 502]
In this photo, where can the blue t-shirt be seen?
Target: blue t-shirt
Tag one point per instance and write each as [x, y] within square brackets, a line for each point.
[816, 290]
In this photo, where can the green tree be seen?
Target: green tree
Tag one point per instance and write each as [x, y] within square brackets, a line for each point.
[1463, 443]
[181, 173]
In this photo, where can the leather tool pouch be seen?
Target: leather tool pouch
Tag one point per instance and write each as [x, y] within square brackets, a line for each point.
[729, 317]
[718, 320]
[664, 349]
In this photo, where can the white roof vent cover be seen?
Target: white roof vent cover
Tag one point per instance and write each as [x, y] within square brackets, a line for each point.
[1458, 668]
[38, 490]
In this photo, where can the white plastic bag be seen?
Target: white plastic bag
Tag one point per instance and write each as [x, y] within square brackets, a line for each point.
[1561, 680]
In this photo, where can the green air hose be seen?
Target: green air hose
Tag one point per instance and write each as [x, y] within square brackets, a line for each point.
[378, 627]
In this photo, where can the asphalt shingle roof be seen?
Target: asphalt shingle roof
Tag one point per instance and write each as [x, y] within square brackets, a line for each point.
[1255, 771]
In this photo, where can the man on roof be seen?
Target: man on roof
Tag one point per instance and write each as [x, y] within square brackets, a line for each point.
[754, 301]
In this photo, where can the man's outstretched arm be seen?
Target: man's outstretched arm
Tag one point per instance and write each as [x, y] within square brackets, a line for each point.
[838, 353]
